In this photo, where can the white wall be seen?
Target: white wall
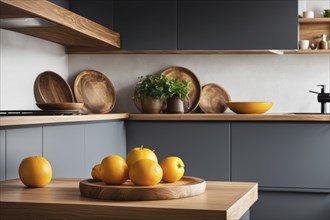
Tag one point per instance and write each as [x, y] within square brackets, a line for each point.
[313, 5]
[22, 58]
[284, 80]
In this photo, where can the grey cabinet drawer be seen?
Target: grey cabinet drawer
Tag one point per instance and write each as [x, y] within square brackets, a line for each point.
[203, 146]
[281, 154]
[63, 146]
[21, 143]
[291, 206]
[103, 139]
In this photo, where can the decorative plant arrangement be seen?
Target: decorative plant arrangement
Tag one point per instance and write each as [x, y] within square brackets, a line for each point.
[153, 90]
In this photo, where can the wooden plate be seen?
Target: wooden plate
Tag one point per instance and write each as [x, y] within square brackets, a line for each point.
[213, 99]
[50, 87]
[186, 187]
[60, 106]
[95, 90]
[195, 90]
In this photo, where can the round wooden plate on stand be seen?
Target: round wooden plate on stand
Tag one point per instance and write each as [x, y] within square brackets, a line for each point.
[186, 187]
[95, 90]
[50, 87]
[195, 90]
[213, 99]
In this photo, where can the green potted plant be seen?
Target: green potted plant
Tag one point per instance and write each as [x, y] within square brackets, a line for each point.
[151, 90]
[176, 93]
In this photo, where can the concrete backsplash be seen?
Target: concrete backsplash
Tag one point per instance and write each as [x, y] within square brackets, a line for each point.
[284, 80]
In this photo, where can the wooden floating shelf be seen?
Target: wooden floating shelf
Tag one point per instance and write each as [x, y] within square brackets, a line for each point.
[314, 20]
[307, 52]
[68, 28]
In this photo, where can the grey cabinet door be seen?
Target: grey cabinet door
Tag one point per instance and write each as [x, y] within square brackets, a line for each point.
[237, 24]
[21, 143]
[203, 146]
[62, 3]
[2, 155]
[103, 139]
[291, 206]
[64, 148]
[281, 154]
[146, 24]
[99, 11]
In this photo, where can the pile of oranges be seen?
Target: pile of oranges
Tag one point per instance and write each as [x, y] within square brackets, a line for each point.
[141, 167]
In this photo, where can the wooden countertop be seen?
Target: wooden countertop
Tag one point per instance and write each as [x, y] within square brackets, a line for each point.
[32, 120]
[6, 121]
[229, 117]
[61, 199]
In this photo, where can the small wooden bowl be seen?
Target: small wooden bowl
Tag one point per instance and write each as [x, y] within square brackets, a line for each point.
[60, 106]
[249, 107]
[50, 87]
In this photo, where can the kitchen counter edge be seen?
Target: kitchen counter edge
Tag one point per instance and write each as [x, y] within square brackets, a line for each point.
[6, 121]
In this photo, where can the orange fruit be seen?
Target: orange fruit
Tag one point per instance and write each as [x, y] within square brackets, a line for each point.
[113, 170]
[139, 153]
[35, 171]
[145, 172]
[173, 169]
[96, 172]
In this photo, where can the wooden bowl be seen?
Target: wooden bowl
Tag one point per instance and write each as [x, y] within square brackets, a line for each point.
[249, 107]
[50, 87]
[60, 106]
[95, 90]
[213, 99]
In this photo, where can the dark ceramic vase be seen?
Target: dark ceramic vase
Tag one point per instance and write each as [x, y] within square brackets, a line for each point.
[175, 105]
[151, 105]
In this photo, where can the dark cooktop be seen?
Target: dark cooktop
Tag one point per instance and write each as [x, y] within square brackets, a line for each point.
[39, 112]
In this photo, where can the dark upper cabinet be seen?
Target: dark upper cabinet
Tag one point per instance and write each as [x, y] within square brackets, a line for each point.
[99, 11]
[237, 24]
[146, 24]
[62, 3]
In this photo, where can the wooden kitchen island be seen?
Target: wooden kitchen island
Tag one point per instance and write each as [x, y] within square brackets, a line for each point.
[61, 199]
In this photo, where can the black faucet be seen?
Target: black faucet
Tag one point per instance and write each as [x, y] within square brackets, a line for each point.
[323, 98]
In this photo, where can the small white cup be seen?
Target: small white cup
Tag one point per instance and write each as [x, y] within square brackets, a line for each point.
[304, 44]
[308, 14]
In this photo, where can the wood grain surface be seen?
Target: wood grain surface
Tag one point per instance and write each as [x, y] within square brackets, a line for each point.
[228, 117]
[6, 121]
[50, 87]
[71, 29]
[312, 28]
[186, 187]
[195, 89]
[95, 90]
[61, 199]
[213, 98]
[60, 106]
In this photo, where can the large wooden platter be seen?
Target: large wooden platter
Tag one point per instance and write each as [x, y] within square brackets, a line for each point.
[213, 99]
[195, 89]
[95, 90]
[186, 187]
[50, 87]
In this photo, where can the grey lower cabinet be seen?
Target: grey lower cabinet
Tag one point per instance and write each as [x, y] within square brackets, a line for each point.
[2, 155]
[203, 146]
[284, 156]
[72, 149]
[101, 140]
[63, 146]
[21, 143]
[291, 206]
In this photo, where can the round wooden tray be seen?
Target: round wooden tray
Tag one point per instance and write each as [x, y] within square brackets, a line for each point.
[50, 87]
[186, 187]
[95, 90]
[195, 90]
[213, 99]
[61, 106]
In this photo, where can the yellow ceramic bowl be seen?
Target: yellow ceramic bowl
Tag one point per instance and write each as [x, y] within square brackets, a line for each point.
[249, 107]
